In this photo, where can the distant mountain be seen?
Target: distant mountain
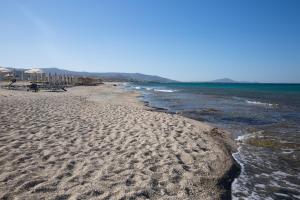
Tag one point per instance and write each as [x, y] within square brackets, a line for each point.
[228, 80]
[112, 76]
[224, 80]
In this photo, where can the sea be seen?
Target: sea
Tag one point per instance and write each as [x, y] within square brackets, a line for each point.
[264, 119]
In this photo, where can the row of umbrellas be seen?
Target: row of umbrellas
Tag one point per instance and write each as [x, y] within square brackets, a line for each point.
[33, 72]
[30, 71]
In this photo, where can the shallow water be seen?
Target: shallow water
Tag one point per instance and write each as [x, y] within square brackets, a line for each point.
[263, 118]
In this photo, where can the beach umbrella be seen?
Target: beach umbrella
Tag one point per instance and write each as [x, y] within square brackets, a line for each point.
[4, 70]
[34, 71]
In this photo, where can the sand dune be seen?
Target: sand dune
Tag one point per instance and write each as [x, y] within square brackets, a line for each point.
[101, 143]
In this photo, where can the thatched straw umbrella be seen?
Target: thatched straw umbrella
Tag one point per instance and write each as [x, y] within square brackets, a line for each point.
[34, 72]
[4, 71]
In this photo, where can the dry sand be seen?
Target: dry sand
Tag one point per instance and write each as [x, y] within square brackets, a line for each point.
[102, 143]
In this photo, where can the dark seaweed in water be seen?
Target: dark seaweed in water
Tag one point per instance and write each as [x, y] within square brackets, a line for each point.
[265, 120]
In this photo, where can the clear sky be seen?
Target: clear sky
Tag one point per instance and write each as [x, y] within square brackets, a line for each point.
[253, 40]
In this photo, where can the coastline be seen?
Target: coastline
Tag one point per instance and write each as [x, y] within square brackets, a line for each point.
[102, 142]
[227, 180]
[262, 118]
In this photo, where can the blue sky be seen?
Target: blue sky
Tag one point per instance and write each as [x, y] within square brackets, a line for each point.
[253, 40]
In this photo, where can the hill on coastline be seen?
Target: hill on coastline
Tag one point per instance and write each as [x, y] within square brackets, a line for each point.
[111, 76]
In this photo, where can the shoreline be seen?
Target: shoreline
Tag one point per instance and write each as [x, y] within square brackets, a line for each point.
[101, 142]
[227, 180]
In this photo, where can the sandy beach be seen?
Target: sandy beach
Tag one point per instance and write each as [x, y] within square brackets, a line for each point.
[102, 143]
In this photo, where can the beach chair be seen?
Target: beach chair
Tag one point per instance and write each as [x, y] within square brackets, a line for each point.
[33, 87]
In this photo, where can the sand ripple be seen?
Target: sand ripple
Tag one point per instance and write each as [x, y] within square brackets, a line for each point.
[65, 146]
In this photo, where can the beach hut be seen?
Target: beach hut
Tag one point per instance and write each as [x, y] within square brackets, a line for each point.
[34, 72]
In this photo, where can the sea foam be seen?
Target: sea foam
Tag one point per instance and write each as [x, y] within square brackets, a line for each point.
[164, 90]
[259, 103]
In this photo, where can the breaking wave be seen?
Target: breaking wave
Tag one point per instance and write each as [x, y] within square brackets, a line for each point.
[164, 90]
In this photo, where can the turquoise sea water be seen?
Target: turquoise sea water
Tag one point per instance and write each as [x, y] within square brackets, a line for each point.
[263, 118]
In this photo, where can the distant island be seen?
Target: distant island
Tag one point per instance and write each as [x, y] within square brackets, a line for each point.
[224, 80]
[228, 80]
